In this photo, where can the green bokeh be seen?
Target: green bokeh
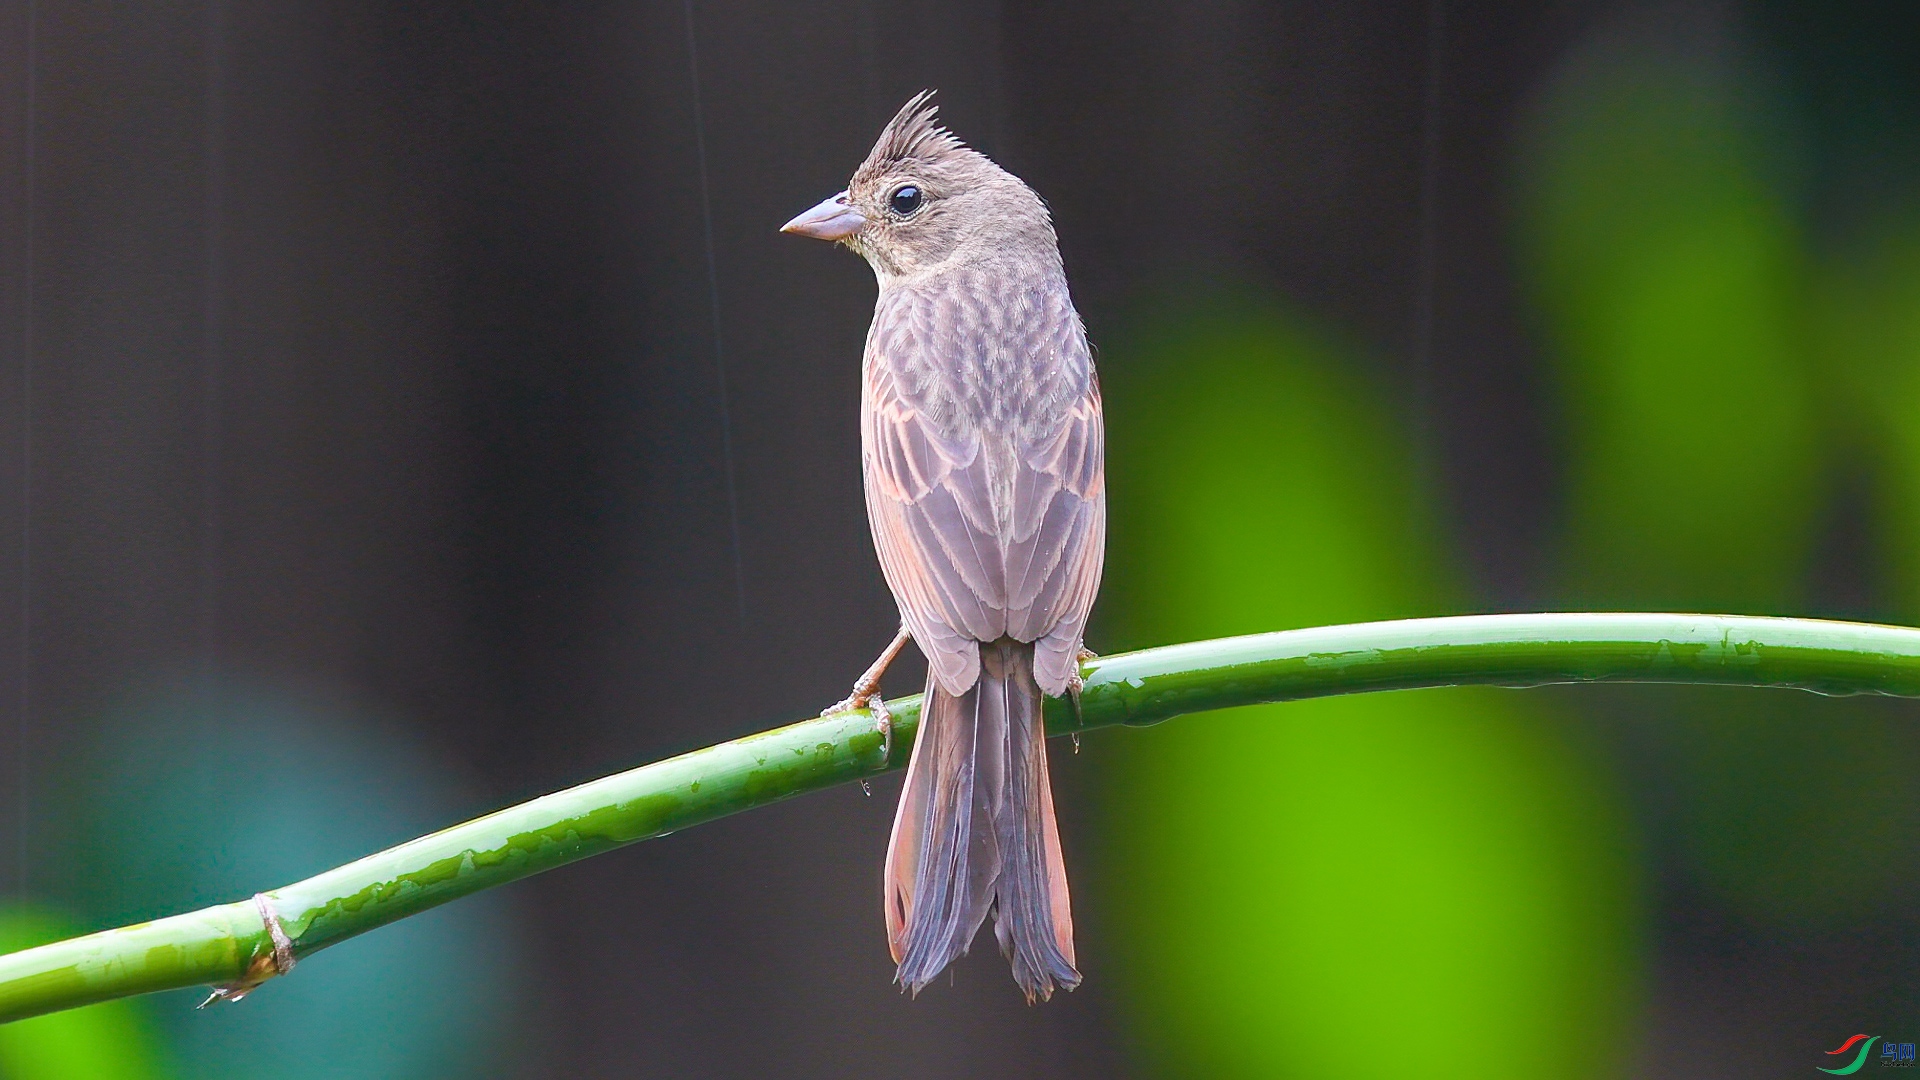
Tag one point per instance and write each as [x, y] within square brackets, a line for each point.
[1293, 888]
[1670, 271]
[1867, 301]
[163, 811]
[1684, 317]
[110, 1041]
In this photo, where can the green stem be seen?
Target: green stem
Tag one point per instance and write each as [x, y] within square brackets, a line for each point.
[218, 944]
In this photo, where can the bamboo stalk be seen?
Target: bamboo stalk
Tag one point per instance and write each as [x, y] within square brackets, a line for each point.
[230, 944]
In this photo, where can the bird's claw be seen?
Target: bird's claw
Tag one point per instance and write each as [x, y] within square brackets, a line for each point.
[883, 718]
[866, 695]
[1076, 683]
[871, 701]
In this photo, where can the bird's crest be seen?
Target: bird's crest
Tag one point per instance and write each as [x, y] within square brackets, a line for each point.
[914, 134]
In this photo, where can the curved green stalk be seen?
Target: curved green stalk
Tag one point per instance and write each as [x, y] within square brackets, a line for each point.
[228, 944]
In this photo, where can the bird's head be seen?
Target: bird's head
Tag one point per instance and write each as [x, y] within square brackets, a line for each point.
[923, 200]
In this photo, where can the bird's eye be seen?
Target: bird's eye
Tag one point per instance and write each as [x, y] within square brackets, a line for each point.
[904, 200]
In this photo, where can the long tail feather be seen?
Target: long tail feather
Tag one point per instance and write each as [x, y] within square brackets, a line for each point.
[976, 832]
[1032, 916]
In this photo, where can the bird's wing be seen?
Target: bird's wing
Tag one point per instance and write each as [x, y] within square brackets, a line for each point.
[1059, 542]
[985, 529]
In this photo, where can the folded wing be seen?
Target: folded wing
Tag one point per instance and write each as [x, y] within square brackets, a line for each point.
[984, 481]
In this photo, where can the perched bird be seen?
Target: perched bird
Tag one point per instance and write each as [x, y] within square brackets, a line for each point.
[982, 447]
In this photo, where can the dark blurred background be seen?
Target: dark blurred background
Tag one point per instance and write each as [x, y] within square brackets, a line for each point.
[408, 409]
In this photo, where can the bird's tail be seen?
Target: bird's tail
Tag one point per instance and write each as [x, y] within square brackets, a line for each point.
[975, 832]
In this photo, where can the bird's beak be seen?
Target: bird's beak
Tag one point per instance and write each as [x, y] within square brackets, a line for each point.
[833, 219]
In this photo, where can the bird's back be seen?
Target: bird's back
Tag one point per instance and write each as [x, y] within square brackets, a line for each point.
[980, 440]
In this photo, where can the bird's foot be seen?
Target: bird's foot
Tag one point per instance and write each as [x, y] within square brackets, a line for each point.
[866, 695]
[870, 700]
[883, 719]
[1076, 683]
[266, 964]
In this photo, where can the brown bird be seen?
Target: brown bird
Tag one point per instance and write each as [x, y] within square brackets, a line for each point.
[982, 446]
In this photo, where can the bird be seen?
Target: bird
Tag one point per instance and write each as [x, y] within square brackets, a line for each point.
[983, 456]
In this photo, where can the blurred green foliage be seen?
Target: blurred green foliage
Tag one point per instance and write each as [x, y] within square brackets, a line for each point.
[1867, 314]
[1456, 872]
[1291, 885]
[109, 1041]
[1671, 276]
[1686, 316]
[203, 791]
